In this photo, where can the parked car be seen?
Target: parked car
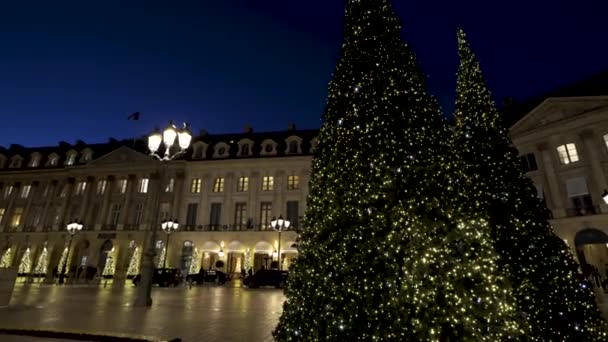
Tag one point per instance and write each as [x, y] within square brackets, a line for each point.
[207, 276]
[163, 277]
[274, 278]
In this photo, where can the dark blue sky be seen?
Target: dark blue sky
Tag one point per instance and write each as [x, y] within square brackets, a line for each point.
[75, 69]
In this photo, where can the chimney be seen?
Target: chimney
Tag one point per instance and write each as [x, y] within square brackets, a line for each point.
[203, 133]
[291, 126]
[508, 101]
[248, 129]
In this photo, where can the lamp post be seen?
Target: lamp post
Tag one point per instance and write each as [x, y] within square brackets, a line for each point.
[279, 225]
[168, 138]
[168, 227]
[605, 196]
[72, 228]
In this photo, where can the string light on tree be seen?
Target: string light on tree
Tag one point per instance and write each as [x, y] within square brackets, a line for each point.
[7, 258]
[389, 253]
[133, 268]
[25, 265]
[42, 264]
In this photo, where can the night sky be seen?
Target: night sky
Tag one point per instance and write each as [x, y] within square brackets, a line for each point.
[76, 70]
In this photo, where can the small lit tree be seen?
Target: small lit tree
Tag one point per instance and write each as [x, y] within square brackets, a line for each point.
[25, 266]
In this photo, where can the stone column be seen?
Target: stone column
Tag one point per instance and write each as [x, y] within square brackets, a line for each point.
[253, 207]
[65, 205]
[204, 204]
[121, 251]
[9, 208]
[177, 206]
[107, 196]
[228, 210]
[556, 195]
[86, 199]
[279, 206]
[304, 188]
[597, 174]
[52, 188]
[28, 205]
[132, 184]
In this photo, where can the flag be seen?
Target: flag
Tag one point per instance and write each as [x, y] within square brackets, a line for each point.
[134, 116]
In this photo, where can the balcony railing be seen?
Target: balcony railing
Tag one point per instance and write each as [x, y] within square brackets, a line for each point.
[229, 228]
[108, 227]
[583, 211]
[131, 227]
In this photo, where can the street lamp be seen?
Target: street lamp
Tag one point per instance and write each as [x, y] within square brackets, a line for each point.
[605, 196]
[168, 138]
[168, 227]
[72, 228]
[279, 225]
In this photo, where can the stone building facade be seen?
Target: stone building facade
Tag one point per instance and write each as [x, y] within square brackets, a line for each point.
[227, 188]
[224, 192]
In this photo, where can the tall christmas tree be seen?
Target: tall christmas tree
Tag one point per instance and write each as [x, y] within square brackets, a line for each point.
[386, 255]
[549, 291]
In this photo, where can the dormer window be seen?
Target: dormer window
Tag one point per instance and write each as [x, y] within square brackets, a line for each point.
[199, 149]
[87, 155]
[53, 160]
[15, 162]
[35, 160]
[221, 150]
[293, 145]
[71, 158]
[269, 147]
[567, 153]
[313, 144]
[245, 148]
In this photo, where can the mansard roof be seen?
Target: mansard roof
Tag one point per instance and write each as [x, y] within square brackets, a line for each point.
[595, 85]
[140, 144]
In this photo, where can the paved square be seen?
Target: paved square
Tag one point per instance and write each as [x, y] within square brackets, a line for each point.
[193, 314]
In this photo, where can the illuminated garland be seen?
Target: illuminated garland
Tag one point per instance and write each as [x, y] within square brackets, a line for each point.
[6, 259]
[25, 265]
[134, 263]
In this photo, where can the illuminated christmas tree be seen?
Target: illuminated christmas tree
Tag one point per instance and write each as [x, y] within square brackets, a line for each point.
[62, 261]
[195, 263]
[108, 269]
[25, 265]
[549, 290]
[42, 264]
[7, 259]
[388, 254]
[133, 268]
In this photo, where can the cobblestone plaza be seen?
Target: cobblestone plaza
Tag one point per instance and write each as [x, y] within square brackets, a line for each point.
[192, 314]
